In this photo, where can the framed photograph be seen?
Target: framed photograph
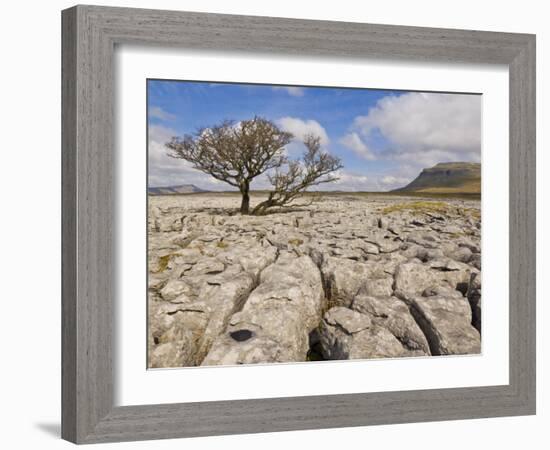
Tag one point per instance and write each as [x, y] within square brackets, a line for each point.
[278, 224]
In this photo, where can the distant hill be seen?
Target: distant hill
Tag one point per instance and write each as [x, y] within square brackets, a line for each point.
[447, 178]
[181, 189]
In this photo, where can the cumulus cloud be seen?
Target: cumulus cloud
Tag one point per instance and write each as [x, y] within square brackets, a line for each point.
[353, 181]
[358, 182]
[349, 181]
[295, 91]
[166, 171]
[391, 182]
[426, 128]
[158, 113]
[353, 141]
[300, 128]
[161, 134]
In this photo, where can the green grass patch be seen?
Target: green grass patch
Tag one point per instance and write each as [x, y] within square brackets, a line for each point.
[295, 241]
[420, 207]
[162, 263]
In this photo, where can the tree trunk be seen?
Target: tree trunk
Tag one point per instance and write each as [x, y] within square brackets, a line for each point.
[245, 203]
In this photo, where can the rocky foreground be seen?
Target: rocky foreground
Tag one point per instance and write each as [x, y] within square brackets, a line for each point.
[347, 276]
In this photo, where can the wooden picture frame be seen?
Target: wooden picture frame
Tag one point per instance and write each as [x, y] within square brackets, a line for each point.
[90, 34]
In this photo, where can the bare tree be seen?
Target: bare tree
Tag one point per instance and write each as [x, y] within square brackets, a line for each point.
[236, 154]
[315, 168]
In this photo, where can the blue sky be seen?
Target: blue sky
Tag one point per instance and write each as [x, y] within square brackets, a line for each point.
[383, 137]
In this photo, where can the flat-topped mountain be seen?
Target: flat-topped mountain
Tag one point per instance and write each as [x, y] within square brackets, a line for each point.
[181, 189]
[447, 178]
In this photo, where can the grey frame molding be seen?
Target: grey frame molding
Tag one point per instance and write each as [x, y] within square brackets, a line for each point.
[90, 34]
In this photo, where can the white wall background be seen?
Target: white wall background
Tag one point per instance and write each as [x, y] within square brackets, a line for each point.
[31, 208]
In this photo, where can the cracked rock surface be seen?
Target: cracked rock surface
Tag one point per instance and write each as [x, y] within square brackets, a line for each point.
[346, 276]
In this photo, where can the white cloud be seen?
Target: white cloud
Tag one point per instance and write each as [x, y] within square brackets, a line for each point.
[300, 128]
[161, 134]
[166, 171]
[358, 182]
[426, 128]
[158, 113]
[390, 182]
[353, 141]
[291, 90]
[348, 181]
[389, 179]
[430, 157]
